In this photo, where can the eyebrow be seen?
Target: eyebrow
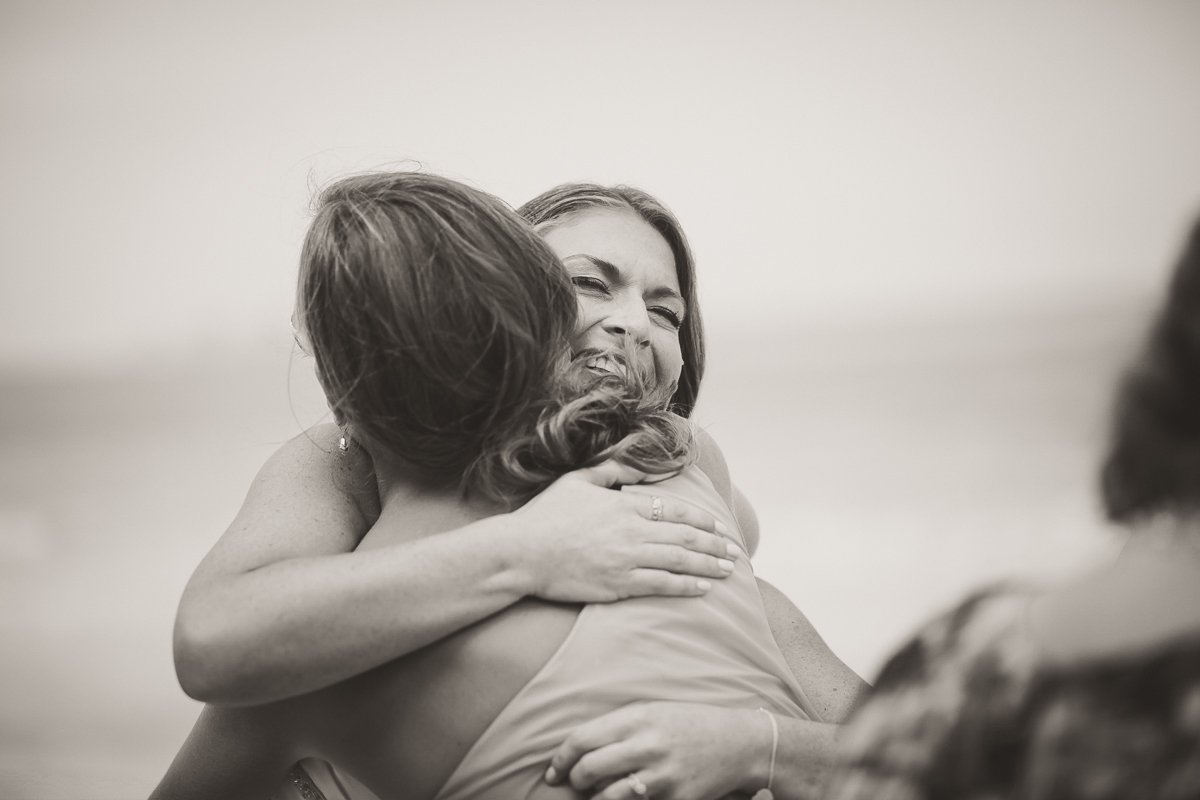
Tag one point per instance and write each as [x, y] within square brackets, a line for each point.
[612, 273]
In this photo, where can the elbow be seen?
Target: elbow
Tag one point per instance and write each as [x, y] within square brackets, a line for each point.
[203, 662]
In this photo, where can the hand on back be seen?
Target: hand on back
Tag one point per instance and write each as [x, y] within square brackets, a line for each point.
[675, 749]
[586, 542]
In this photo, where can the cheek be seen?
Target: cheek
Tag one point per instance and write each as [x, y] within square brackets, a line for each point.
[668, 358]
[584, 320]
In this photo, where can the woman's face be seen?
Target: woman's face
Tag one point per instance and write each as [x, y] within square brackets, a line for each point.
[625, 280]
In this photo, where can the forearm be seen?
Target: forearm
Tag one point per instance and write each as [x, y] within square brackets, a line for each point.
[805, 758]
[304, 623]
[805, 755]
[285, 603]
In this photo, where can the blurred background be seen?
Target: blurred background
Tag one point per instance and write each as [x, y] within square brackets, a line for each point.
[930, 236]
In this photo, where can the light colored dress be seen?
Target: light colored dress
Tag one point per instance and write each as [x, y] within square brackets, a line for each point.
[717, 649]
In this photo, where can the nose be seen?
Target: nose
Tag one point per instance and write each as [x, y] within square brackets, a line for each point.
[629, 318]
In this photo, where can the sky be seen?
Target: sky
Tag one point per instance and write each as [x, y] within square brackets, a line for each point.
[835, 164]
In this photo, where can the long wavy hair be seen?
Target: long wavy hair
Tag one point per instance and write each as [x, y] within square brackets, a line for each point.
[563, 202]
[589, 416]
[1153, 465]
[440, 325]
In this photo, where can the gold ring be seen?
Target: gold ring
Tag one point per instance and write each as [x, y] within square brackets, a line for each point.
[635, 785]
[656, 508]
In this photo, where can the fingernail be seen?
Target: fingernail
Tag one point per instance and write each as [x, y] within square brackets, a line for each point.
[551, 775]
[722, 528]
[725, 565]
[703, 586]
[733, 551]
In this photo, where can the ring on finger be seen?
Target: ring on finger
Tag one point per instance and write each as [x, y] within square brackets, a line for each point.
[656, 508]
[635, 784]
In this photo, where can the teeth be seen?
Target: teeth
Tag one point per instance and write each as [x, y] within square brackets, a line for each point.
[601, 363]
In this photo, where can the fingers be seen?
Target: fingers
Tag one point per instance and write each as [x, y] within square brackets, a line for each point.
[612, 727]
[673, 510]
[610, 473]
[682, 561]
[610, 763]
[698, 541]
[693, 528]
[643, 582]
[623, 788]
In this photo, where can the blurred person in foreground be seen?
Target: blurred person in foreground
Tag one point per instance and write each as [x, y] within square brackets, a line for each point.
[1090, 690]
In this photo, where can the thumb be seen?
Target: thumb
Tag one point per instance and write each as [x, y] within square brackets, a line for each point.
[609, 474]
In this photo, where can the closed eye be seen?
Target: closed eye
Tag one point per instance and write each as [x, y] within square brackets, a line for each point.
[589, 282]
[672, 319]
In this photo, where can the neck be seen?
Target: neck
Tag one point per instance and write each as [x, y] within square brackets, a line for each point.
[1146, 601]
[410, 509]
[1166, 535]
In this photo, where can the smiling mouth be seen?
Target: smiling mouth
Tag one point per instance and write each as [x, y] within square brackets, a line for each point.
[603, 362]
[605, 365]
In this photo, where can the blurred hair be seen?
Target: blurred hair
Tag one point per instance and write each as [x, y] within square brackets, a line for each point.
[1153, 464]
[572, 198]
[440, 325]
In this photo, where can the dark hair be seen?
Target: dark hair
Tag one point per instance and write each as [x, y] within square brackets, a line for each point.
[1153, 465]
[571, 198]
[440, 325]
[434, 314]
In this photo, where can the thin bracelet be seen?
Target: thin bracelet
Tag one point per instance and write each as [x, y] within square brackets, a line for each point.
[765, 794]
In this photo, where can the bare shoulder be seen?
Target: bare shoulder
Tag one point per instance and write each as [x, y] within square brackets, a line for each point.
[314, 462]
[1140, 604]
[310, 498]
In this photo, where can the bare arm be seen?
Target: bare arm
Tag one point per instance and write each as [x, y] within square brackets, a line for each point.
[833, 687]
[282, 605]
[231, 753]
